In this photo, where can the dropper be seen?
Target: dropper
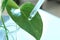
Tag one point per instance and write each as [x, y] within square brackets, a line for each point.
[35, 9]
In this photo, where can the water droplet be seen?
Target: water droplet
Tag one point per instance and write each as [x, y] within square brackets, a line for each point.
[16, 12]
[29, 19]
[32, 15]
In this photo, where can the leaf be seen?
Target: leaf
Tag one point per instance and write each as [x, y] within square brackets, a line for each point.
[34, 27]
[4, 3]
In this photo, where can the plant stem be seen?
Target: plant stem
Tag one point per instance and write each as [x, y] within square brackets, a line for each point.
[6, 31]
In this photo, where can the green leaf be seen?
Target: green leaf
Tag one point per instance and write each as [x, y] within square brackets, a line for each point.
[4, 3]
[33, 27]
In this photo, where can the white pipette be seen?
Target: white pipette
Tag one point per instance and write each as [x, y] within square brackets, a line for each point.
[34, 11]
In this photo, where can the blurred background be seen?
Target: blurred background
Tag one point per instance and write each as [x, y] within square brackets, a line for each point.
[52, 6]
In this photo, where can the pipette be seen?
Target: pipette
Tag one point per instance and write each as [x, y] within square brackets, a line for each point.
[35, 9]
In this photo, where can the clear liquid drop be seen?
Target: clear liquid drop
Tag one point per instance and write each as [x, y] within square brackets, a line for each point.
[29, 19]
[31, 16]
